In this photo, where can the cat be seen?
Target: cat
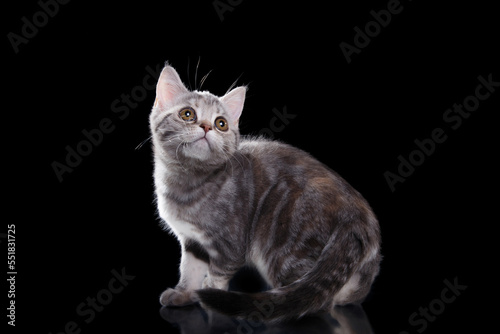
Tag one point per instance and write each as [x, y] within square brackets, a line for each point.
[234, 201]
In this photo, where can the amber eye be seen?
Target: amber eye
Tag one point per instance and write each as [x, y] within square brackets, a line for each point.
[221, 124]
[187, 114]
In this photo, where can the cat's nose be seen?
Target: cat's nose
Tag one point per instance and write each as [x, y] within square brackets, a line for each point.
[206, 127]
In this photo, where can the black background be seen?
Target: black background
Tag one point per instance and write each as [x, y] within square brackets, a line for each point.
[357, 118]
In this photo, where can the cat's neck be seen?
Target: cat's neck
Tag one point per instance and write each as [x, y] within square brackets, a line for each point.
[185, 175]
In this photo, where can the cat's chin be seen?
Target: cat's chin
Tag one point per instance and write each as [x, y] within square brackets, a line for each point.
[199, 149]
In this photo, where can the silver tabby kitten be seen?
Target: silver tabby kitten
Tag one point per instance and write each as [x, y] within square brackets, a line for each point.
[235, 201]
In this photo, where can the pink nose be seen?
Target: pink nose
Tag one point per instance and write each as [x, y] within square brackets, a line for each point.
[206, 127]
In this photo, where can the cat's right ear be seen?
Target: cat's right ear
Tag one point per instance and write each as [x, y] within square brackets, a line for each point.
[168, 88]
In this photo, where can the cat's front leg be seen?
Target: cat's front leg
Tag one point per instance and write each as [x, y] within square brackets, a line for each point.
[193, 270]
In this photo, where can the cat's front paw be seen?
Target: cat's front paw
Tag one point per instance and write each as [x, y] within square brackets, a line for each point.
[172, 297]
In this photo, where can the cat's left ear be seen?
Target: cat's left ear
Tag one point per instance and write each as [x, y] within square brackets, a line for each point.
[233, 102]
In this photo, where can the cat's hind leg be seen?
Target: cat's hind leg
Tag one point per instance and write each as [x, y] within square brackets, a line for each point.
[193, 270]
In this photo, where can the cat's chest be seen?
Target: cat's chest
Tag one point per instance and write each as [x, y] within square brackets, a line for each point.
[195, 212]
[181, 220]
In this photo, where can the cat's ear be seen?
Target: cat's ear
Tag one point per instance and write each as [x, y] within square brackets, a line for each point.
[233, 102]
[169, 87]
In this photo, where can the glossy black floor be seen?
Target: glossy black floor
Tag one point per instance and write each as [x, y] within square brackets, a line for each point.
[195, 319]
[399, 97]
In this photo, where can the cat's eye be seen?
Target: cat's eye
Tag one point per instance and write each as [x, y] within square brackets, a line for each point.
[221, 124]
[187, 114]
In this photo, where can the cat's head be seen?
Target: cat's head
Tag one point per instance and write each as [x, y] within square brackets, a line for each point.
[193, 127]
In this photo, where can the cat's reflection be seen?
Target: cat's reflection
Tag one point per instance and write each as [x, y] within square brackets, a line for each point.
[194, 319]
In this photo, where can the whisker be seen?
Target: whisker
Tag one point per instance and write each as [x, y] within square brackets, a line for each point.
[240, 154]
[224, 149]
[202, 81]
[143, 142]
[177, 152]
[196, 73]
[234, 83]
[172, 137]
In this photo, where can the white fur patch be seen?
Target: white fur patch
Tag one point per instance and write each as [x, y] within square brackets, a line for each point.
[193, 271]
[258, 261]
[347, 290]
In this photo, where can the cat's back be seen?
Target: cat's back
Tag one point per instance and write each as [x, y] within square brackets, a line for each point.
[272, 150]
[273, 162]
[276, 157]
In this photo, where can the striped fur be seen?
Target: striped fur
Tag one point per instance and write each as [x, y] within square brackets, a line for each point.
[235, 201]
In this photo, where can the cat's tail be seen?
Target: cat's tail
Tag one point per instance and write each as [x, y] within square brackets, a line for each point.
[342, 274]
